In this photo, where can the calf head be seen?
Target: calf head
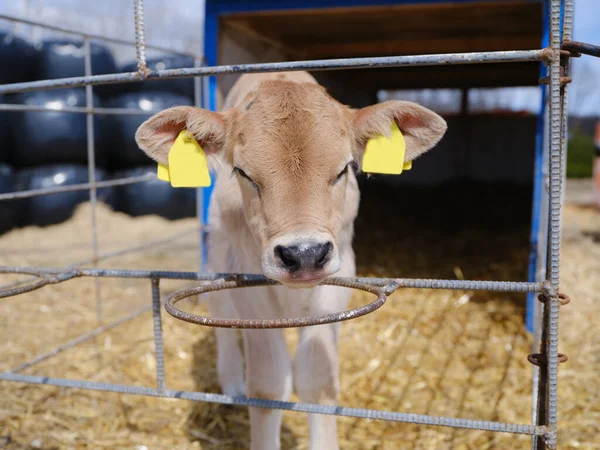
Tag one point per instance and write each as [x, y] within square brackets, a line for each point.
[292, 147]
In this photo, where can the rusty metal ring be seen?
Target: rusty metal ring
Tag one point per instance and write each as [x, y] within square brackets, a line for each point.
[380, 292]
[537, 359]
[563, 299]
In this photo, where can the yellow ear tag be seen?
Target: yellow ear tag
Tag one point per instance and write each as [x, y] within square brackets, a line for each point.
[163, 173]
[188, 166]
[386, 155]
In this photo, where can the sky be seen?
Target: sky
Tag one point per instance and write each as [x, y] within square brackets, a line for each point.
[181, 28]
[585, 88]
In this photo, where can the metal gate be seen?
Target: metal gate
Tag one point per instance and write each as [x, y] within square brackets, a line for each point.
[544, 426]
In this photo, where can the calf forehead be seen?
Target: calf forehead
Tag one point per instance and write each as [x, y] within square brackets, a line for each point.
[294, 127]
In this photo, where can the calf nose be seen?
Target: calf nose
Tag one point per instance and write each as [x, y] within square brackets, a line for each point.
[308, 256]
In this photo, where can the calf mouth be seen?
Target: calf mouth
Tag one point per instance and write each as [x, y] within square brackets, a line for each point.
[301, 278]
[294, 280]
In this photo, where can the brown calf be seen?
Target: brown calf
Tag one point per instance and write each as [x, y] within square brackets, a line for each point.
[284, 204]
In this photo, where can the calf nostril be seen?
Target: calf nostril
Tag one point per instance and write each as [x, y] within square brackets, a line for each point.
[323, 254]
[307, 257]
[288, 256]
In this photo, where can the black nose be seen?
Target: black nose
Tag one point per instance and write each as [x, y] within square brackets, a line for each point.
[311, 256]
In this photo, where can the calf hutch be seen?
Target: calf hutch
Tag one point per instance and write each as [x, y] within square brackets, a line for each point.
[479, 213]
[502, 147]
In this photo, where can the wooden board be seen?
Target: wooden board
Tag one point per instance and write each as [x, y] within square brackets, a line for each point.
[401, 30]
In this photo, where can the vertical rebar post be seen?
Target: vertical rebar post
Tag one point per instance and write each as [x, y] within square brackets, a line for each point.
[205, 105]
[91, 157]
[140, 38]
[552, 370]
[199, 191]
[539, 373]
[555, 161]
[553, 266]
[541, 397]
[205, 87]
[539, 377]
[158, 337]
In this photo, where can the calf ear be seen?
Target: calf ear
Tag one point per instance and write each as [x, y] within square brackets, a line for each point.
[157, 134]
[421, 127]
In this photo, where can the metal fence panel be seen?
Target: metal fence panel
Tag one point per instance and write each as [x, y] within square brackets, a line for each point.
[544, 432]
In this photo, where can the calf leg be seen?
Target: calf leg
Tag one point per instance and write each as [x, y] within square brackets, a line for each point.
[230, 362]
[316, 378]
[268, 371]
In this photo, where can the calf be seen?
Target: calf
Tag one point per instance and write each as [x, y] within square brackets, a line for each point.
[284, 204]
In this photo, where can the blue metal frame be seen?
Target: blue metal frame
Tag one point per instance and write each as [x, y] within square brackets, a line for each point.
[217, 8]
[538, 187]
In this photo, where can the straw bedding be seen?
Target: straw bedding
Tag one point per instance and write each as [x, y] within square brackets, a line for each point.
[435, 352]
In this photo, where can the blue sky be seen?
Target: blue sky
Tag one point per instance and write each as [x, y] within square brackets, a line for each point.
[585, 88]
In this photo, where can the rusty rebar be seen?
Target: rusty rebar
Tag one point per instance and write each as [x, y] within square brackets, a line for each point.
[219, 285]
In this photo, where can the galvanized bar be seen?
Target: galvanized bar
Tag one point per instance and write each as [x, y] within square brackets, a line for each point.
[158, 337]
[60, 83]
[124, 251]
[78, 109]
[91, 156]
[77, 187]
[96, 37]
[315, 65]
[289, 406]
[80, 340]
[470, 285]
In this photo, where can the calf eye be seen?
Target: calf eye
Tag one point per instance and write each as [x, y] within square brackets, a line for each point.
[341, 174]
[243, 174]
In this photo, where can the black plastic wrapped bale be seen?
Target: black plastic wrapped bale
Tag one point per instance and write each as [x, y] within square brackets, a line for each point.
[9, 209]
[18, 58]
[153, 197]
[64, 58]
[6, 142]
[181, 86]
[124, 152]
[51, 209]
[56, 136]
